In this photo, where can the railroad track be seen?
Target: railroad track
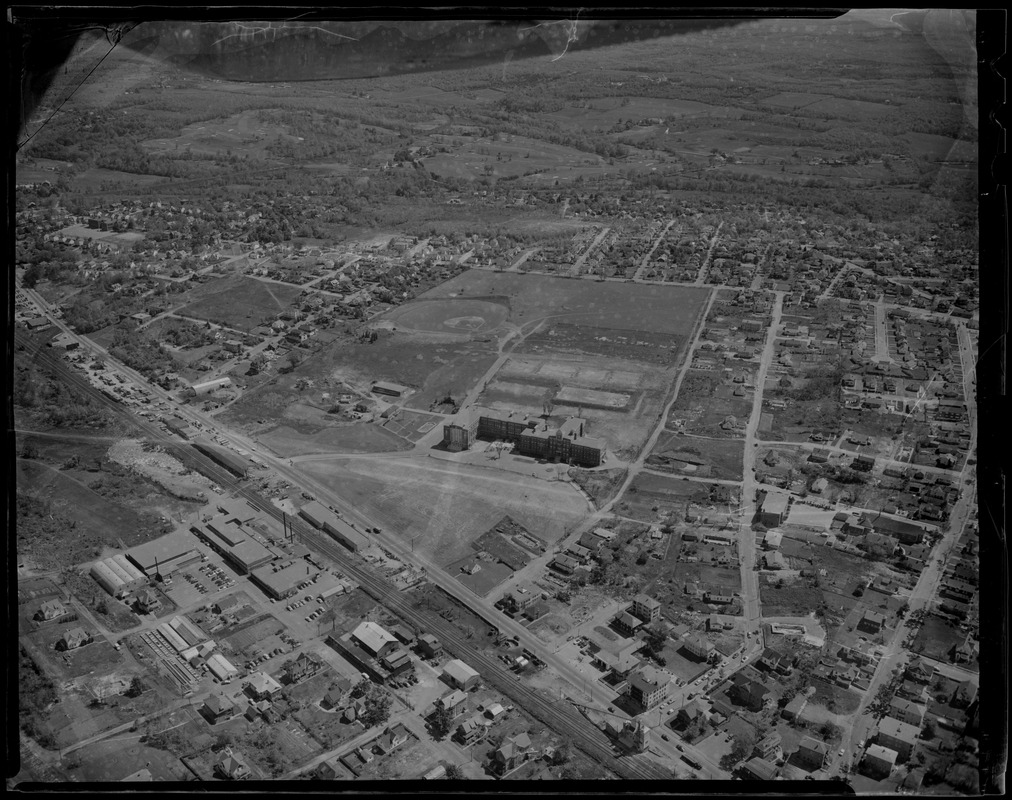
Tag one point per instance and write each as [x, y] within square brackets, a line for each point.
[559, 716]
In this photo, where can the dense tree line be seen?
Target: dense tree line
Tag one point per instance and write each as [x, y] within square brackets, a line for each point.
[57, 403]
[141, 353]
[36, 693]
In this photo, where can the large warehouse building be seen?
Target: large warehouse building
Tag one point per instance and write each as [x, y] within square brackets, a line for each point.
[207, 387]
[226, 536]
[319, 516]
[530, 435]
[282, 579]
[224, 457]
[117, 575]
[166, 554]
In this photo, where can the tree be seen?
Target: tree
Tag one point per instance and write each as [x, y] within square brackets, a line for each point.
[929, 731]
[442, 722]
[454, 772]
[377, 708]
[136, 688]
[656, 637]
[562, 755]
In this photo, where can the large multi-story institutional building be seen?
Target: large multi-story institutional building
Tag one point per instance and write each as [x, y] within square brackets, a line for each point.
[530, 436]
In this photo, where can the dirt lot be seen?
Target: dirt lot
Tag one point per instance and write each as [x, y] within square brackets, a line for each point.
[442, 506]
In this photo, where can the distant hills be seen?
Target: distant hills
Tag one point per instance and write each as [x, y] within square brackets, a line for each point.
[286, 51]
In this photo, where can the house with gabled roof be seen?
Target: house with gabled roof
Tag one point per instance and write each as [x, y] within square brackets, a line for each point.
[514, 752]
[392, 738]
[469, 731]
[304, 665]
[217, 707]
[50, 609]
[232, 767]
[261, 686]
[338, 692]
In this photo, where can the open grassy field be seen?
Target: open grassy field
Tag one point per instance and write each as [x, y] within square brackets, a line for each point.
[110, 761]
[698, 456]
[442, 506]
[239, 134]
[361, 438]
[659, 309]
[240, 302]
[936, 637]
[459, 315]
[652, 497]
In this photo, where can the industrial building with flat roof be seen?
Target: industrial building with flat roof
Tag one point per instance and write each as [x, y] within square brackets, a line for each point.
[117, 575]
[282, 579]
[530, 436]
[167, 553]
[226, 536]
[319, 516]
[774, 509]
[206, 387]
[389, 389]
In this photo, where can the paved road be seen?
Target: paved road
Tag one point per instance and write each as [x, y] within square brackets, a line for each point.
[746, 537]
[578, 264]
[705, 266]
[646, 259]
[921, 597]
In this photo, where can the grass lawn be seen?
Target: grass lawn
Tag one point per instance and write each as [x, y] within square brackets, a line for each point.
[835, 698]
[936, 638]
[240, 302]
[605, 305]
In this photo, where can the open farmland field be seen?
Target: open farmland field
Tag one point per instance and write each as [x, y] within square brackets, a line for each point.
[93, 179]
[240, 302]
[239, 134]
[660, 309]
[442, 506]
[515, 158]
